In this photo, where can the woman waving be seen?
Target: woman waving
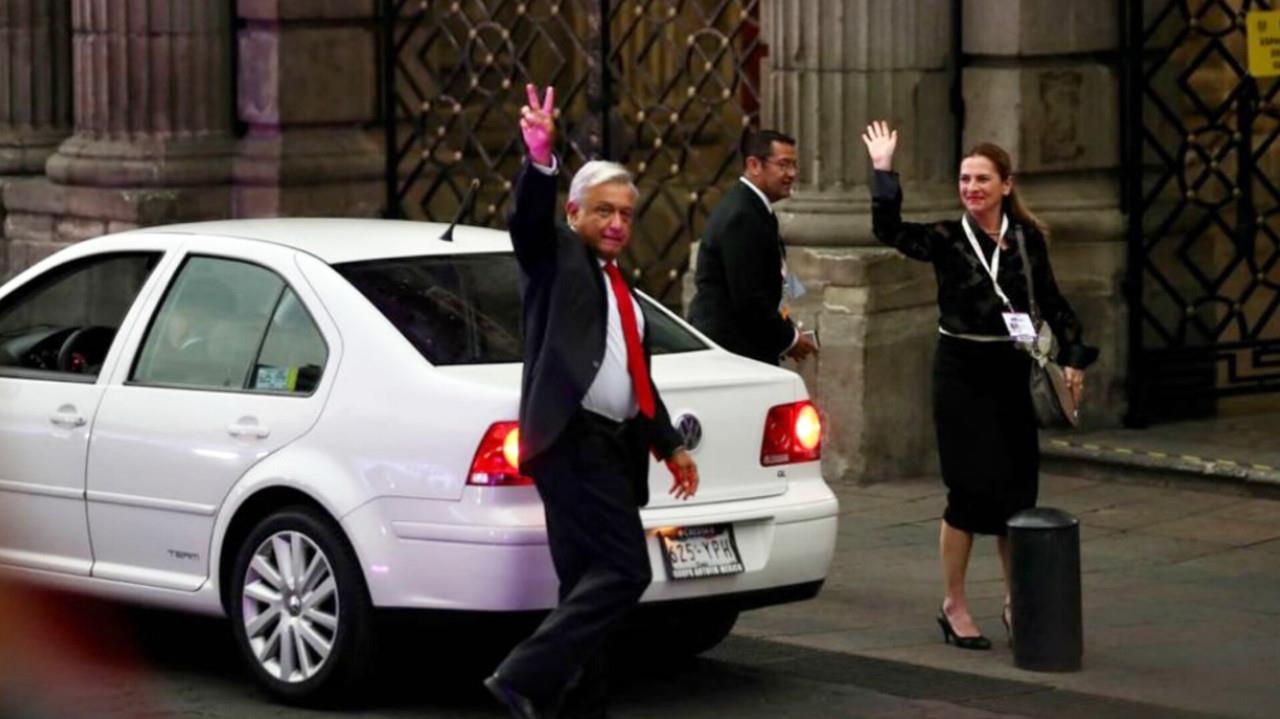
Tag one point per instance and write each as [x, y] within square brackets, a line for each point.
[982, 409]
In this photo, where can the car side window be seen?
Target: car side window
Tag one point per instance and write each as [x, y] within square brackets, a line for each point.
[455, 309]
[210, 326]
[293, 353]
[61, 324]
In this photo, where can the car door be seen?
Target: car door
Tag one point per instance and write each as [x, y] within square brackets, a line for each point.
[232, 366]
[57, 337]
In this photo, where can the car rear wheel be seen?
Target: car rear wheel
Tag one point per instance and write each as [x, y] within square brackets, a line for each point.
[684, 631]
[300, 609]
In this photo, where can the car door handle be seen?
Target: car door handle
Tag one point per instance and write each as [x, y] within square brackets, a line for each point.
[248, 429]
[67, 418]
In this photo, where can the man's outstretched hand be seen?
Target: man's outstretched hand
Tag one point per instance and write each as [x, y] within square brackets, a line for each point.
[538, 124]
[684, 475]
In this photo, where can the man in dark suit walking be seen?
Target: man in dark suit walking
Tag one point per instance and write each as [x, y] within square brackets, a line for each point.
[589, 417]
[742, 271]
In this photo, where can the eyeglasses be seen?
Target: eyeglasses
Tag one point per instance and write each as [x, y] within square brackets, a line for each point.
[786, 165]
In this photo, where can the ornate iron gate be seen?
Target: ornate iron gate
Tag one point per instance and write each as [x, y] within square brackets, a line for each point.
[664, 86]
[1203, 193]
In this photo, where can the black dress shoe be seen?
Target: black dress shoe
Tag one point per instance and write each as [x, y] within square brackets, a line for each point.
[519, 705]
[949, 635]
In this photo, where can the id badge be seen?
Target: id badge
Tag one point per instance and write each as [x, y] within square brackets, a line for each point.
[1020, 326]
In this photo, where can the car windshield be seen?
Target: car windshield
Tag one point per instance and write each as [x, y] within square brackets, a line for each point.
[465, 309]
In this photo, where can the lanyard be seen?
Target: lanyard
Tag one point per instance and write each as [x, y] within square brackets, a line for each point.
[992, 267]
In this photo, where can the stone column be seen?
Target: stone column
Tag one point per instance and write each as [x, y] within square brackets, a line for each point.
[35, 82]
[308, 97]
[153, 93]
[152, 141]
[1035, 85]
[35, 90]
[834, 65]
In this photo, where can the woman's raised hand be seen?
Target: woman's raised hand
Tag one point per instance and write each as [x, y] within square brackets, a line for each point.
[538, 124]
[880, 142]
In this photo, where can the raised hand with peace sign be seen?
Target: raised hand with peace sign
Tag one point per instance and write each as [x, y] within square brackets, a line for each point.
[538, 124]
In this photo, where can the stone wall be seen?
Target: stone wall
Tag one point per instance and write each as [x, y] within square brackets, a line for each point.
[307, 95]
[156, 132]
[35, 110]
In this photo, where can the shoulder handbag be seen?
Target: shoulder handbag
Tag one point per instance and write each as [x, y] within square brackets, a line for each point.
[1054, 404]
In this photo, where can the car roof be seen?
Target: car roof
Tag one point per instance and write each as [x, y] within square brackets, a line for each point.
[338, 239]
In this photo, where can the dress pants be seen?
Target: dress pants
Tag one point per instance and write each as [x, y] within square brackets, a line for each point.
[601, 558]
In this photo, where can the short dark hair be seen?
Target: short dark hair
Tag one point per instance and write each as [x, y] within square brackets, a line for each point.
[759, 144]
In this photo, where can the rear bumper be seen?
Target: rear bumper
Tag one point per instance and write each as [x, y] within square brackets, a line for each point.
[753, 599]
[483, 555]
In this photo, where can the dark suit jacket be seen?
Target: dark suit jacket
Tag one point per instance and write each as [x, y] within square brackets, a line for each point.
[739, 279]
[565, 311]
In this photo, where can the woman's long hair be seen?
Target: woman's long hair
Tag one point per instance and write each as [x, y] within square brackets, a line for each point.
[1004, 166]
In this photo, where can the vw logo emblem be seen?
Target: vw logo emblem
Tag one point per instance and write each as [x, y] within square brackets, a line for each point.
[691, 429]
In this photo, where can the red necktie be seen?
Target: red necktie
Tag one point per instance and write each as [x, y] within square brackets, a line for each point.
[635, 351]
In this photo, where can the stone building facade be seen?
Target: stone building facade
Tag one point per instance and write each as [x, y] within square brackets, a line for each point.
[1033, 83]
[121, 113]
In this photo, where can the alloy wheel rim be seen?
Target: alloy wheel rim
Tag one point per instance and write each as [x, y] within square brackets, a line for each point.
[290, 607]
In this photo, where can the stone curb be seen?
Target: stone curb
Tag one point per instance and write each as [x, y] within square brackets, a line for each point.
[1111, 457]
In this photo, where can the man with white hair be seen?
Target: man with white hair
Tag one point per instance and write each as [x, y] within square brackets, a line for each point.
[589, 417]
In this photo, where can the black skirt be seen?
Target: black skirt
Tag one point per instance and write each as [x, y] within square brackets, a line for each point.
[987, 435]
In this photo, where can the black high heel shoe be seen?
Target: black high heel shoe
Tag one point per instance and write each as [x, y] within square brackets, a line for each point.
[949, 635]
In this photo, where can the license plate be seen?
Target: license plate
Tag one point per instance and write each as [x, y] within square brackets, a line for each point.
[706, 551]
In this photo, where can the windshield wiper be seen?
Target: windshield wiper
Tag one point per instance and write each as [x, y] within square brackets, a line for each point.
[468, 203]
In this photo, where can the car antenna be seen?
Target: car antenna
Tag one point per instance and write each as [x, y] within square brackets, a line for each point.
[468, 203]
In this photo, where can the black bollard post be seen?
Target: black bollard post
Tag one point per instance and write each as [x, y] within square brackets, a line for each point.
[1044, 579]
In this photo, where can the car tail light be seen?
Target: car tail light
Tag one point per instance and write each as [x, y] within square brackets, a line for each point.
[497, 462]
[792, 433]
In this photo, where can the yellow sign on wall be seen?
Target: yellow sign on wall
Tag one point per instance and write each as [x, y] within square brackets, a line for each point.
[1264, 43]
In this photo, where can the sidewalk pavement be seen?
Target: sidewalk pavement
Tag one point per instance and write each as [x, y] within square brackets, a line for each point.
[1181, 593]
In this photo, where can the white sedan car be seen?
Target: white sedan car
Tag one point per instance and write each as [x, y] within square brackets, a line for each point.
[294, 423]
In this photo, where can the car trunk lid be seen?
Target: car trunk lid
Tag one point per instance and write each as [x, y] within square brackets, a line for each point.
[719, 401]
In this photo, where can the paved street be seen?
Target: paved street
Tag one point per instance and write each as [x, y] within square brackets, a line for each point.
[186, 668]
[1181, 592]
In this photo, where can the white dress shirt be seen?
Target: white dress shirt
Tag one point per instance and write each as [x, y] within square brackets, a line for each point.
[611, 394]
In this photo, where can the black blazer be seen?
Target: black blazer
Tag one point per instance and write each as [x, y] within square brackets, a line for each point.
[739, 279]
[967, 302]
[565, 311]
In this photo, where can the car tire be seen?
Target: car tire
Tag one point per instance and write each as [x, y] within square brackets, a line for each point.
[679, 632]
[304, 627]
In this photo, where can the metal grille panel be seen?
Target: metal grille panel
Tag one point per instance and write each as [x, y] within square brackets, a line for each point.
[1204, 270]
[664, 86]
